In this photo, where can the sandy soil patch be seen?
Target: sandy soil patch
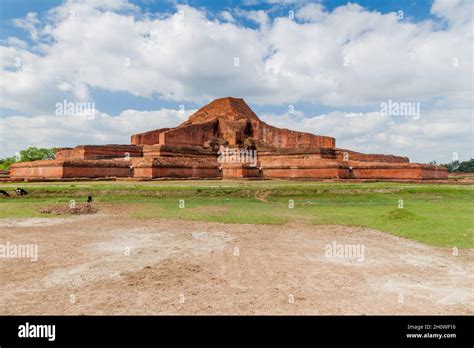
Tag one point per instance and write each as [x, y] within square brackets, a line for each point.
[31, 222]
[109, 263]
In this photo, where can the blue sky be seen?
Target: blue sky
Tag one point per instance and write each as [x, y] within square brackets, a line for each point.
[114, 103]
[414, 8]
[297, 64]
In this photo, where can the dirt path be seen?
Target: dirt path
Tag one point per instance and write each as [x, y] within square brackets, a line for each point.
[108, 263]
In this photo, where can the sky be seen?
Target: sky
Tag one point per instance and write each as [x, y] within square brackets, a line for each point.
[326, 67]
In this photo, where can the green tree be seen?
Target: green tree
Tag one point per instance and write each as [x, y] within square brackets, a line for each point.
[466, 166]
[29, 154]
[461, 167]
[35, 154]
[6, 162]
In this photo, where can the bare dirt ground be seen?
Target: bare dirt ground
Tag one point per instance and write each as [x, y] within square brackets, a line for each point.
[108, 263]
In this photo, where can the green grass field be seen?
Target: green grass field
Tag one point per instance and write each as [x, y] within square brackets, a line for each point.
[440, 215]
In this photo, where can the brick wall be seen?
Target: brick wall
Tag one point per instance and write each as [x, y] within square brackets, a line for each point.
[148, 138]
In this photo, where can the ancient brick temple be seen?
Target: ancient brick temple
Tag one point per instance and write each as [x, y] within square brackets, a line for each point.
[224, 139]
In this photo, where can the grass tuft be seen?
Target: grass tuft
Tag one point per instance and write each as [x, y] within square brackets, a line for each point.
[400, 214]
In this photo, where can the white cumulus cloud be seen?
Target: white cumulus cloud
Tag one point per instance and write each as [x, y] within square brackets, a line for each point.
[349, 57]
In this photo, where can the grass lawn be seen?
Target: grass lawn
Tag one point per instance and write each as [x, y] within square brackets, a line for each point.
[440, 215]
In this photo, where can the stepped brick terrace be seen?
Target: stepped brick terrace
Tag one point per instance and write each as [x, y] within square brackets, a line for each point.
[224, 139]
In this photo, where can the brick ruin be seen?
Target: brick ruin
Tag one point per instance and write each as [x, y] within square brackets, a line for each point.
[227, 126]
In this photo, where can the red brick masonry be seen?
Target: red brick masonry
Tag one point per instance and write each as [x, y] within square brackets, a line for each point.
[191, 151]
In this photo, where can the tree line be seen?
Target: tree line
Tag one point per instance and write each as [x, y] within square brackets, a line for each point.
[29, 154]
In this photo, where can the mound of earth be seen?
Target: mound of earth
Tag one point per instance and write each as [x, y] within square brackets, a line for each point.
[61, 209]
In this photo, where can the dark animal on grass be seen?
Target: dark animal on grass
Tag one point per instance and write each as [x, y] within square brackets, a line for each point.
[4, 193]
[20, 192]
[89, 199]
